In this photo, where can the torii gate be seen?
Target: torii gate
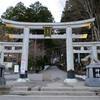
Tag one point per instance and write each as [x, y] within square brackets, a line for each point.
[13, 46]
[68, 36]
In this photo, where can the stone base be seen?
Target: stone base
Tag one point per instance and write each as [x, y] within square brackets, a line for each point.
[92, 82]
[24, 75]
[70, 74]
[70, 80]
[2, 81]
[23, 80]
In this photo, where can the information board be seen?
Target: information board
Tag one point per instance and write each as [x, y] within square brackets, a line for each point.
[96, 72]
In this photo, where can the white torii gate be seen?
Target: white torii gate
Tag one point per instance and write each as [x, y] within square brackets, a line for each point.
[13, 46]
[68, 36]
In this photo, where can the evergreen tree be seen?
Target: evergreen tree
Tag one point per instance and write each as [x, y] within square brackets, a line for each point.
[73, 11]
[39, 13]
[34, 13]
[16, 13]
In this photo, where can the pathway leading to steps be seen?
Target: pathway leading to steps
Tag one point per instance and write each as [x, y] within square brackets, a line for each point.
[57, 75]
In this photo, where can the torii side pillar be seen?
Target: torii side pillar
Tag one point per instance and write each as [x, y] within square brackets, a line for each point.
[69, 55]
[2, 54]
[24, 59]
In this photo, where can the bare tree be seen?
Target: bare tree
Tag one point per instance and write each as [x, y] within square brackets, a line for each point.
[92, 7]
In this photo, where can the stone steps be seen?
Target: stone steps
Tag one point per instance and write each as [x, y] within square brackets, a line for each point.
[50, 93]
[64, 89]
[38, 88]
[3, 87]
[4, 90]
[46, 91]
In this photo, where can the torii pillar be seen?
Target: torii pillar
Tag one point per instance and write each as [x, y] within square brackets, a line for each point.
[69, 55]
[24, 59]
[2, 54]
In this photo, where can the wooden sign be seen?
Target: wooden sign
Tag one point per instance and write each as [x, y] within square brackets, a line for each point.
[46, 77]
[47, 31]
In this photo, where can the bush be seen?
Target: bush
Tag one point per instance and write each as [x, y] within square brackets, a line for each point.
[38, 63]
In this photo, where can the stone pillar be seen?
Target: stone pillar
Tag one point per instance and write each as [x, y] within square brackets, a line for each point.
[69, 52]
[94, 49]
[2, 54]
[13, 48]
[70, 62]
[79, 61]
[24, 59]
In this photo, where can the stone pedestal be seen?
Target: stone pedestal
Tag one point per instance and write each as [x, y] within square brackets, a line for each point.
[2, 79]
[70, 77]
[93, 75]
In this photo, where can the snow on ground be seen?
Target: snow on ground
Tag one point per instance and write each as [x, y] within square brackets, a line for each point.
[81, 76]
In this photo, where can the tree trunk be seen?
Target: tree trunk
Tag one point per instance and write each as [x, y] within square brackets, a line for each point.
[35, 48]
[90, 7]
[43, 49]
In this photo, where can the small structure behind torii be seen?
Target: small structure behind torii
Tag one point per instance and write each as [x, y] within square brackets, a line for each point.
[92, 49]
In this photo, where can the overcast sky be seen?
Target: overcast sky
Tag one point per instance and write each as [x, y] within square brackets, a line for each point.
[55, 6]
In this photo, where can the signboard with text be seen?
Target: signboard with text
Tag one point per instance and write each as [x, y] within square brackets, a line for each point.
[96, 72]
[23, 63]
[47, 31]
[16, 68]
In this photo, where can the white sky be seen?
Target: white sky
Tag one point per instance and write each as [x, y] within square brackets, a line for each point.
[55, 6]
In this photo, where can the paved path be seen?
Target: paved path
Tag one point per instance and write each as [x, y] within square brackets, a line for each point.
[57, 75]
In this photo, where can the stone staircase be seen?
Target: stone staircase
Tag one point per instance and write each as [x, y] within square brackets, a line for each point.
[4, 90]
[50, 91]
